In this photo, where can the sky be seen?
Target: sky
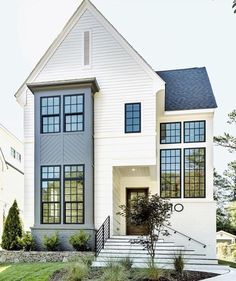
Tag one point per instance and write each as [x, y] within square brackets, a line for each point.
[168, 34]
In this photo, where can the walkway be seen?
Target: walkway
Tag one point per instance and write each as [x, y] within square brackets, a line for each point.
[231, 276]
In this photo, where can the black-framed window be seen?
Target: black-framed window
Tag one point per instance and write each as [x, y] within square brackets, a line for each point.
[50, 114]
[74, 113]
[170, 133]
[74, 194]
[133, 117]
[195, 131]
[194, 172]
[50, 194]
[170, 168]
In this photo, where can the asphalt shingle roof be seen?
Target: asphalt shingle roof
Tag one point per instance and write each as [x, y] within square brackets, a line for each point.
[187, 89]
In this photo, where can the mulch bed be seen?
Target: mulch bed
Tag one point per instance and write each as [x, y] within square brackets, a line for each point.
[95, 273]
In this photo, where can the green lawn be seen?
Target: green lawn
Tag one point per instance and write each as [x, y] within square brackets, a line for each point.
[229, 263]
[29, 271]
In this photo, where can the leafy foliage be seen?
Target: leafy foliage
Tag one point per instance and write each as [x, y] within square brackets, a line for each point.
[228, 140]
[51, 243]
[26, 242]
[153, 213]
[12, 229]
[80, 240]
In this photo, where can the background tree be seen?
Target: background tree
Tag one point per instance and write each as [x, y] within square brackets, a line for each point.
[225, 185]
[12, 230]
[228, 140]
[153, 213]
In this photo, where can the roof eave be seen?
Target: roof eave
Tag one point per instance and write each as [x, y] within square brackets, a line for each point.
[80, 83]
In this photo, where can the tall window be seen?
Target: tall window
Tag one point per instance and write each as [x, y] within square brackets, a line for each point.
[74, 194]
[132, 117]
[170, 133]
[194, 131]
[74, 113]
[50, 115]
[194, 172]
[50, 194]
[170, 173]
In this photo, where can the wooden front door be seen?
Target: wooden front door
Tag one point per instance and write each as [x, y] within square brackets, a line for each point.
[132, 194]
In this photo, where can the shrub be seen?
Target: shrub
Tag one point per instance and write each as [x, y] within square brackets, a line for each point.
[80, 240]
[26, 242]
[179, 264]
[78, 272]
[126, 263]
[114, 272]
[51, 243]
[12, 229]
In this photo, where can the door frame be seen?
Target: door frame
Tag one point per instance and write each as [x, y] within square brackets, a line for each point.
[127, 189]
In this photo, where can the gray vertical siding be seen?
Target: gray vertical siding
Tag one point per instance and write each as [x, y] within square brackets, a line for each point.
[61, 149]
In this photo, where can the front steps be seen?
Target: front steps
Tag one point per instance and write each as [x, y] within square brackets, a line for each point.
[119, 247]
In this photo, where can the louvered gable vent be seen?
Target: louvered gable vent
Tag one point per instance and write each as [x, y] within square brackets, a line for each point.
[87, 46]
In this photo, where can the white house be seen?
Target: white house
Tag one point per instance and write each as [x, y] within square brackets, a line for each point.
[11, 174]
[101, 126]
[225, 237]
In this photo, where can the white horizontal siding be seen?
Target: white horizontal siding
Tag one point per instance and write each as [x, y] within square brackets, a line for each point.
[121, 80]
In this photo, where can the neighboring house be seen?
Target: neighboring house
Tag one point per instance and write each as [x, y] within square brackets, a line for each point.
[11, 174]
[225, 237]
[101, 127]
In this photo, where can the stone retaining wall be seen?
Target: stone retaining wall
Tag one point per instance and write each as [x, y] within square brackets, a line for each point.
[35, 256]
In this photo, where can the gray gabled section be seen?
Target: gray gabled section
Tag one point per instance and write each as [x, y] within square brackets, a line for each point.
[187, 89]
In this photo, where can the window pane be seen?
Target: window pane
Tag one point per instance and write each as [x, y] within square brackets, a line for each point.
[194, 172]
[170, 173]
[170, 133]
[50, 114]
[133, 118]
[73, 193]
[73, 110]
[50, 189]
[194, 131]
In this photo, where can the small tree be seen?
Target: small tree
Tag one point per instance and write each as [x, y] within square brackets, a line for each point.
[12, 229]
[153, 213]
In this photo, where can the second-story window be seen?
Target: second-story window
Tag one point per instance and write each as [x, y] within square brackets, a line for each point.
[194, 131]
[74, 113]
[132, 117]
[50, 115]
[170, 133]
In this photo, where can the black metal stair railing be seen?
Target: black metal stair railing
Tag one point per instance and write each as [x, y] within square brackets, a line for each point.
[186, 236]
[102, 234]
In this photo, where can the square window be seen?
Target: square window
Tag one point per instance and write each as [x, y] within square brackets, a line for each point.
[170, 133]
[194, 131]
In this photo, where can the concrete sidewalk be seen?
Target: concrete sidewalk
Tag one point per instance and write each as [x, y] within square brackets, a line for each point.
[230, 276]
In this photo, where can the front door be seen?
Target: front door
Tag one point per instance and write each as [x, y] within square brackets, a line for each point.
[132, 194]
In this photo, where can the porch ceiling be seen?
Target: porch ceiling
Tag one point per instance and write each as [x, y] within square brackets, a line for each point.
[134, 171]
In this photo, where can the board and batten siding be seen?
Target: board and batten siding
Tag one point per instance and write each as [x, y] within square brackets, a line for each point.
[121, 79]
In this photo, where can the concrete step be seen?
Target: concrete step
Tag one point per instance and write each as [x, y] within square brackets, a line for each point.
[173, 248]
[128, 251]
[144, 254]
[159, 260]
[115, 243]
[205, 267]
